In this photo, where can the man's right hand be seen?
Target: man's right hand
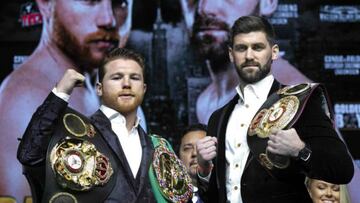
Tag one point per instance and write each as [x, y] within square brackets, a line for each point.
[206, 151]
[70, 79]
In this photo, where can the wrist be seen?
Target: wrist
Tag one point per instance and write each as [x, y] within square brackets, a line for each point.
[205, 169]
[304, 154]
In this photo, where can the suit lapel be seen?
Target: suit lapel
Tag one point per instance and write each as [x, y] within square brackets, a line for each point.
[221, 136]
[103, 125]
[146, 159]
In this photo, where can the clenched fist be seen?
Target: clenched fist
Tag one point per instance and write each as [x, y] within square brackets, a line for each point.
[285, 142]
[206, 151]
[70, 79]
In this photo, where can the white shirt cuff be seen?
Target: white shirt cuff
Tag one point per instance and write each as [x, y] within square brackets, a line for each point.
[205, 179]
[61, 95]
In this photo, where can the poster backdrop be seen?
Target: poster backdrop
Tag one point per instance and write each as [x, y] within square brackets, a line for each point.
[319, 38]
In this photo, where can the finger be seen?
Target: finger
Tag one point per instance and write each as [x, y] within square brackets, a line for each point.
[272, 144]
[273, 138]
[274, 131]
[79, 83]
[271, 149]
[211, 156]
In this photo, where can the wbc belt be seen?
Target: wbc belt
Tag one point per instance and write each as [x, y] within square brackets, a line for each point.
[79, 166]
[169, 179]
[280, 111]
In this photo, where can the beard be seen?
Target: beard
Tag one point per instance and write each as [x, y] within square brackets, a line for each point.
[81, 53]
[210, 46]
[123, 107]
[254, 76]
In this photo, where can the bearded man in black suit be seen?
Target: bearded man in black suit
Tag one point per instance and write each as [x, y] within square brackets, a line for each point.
[268, 138]
[68, 157]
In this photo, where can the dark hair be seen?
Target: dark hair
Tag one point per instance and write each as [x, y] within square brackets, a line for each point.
[247, 24]
[121, 53]
[194, 127]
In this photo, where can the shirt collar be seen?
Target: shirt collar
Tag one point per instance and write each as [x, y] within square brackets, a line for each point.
[111, 114]
[260, 89]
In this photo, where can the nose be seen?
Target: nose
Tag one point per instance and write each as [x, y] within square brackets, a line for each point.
[209, 7]
[106, 18]
[194, 152]
[126, 84]
[328, 192]
[249, 54]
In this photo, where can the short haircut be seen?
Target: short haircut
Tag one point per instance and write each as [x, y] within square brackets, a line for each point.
[121, 53]
[247, 24]
[194, 127]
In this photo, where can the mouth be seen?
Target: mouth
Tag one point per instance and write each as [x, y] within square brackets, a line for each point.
[327, 200]
[193, 163]
[203, 30]
[250, 65]
[105, 44]
[126, 96]
[209, 28]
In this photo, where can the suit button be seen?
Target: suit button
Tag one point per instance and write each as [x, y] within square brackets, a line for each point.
[236, 188]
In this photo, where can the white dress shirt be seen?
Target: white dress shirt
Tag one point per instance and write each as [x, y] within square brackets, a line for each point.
[130, 141]
[236, 147]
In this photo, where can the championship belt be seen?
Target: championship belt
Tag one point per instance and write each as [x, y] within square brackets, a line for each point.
[168, 176]
[79, 163]
[280, 111]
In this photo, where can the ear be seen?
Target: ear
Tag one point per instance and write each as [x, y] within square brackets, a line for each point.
[45, 8]
[145, 88]
[231, 54]
[99, 89]
[267, 7]
[275, 52]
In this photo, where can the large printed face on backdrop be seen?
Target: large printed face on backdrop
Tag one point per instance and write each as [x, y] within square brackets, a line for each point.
[86, 30]
[209, 22]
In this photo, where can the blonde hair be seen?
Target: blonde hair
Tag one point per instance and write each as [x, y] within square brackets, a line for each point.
[344, 194]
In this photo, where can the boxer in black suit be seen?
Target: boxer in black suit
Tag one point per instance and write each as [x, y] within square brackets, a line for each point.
[68, 157]
[228, 169]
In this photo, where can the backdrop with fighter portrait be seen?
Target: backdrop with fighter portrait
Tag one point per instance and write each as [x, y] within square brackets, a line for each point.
[318, 38]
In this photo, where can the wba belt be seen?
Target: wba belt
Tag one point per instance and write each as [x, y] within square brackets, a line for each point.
[79, 164]
[281, 111]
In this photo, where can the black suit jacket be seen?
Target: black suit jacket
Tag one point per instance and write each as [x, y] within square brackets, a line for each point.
[34, 145]
[329, 161]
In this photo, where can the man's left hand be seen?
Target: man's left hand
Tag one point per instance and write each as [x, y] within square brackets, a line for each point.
[285, 142]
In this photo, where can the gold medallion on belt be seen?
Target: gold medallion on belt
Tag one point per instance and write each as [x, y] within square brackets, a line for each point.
[77, 127]
[278, 116]
[174, 182]
[78, 165]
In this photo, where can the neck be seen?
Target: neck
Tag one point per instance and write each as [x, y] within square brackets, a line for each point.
[130, 120]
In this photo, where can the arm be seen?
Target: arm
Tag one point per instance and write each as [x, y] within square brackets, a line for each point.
[33, 145]
[329, 159]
